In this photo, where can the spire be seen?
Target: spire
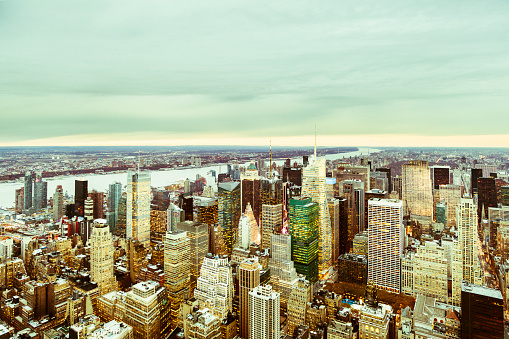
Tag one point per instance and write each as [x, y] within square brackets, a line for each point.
[315, 140]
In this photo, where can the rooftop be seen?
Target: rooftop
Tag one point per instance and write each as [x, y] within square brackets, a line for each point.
[480, 290]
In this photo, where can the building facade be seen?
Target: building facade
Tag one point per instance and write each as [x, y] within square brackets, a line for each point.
[304, 229]
[385, 244]
[215, 289]
[249, 278]
[313, 186]
[229, 213]
[177, 270]
[138, 207]
[101, 257]
[416, 188]
[264, 313]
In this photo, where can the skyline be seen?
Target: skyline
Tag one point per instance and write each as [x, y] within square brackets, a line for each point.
[230, 73]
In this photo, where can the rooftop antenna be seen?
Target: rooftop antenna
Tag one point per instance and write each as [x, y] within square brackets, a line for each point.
[315, 140]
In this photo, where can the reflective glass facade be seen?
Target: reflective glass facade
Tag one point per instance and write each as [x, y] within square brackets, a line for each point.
[303, 218]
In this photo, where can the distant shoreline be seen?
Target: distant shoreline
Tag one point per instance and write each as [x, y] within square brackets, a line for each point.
[112, 170]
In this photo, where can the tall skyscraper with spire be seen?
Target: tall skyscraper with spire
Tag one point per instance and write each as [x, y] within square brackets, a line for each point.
[138, 207]
[313, 186]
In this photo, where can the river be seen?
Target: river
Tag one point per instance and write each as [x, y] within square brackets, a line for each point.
[100, 182]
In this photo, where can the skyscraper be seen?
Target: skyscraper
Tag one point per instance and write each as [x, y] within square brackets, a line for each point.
[215, 286]
[440, 176]
[450, 195]
[250, 191]
[313, 186]
[58, 203]
[19, 199]
[476, 173]
[198, 235]
[283, 275]
[89, 209]
[80, 195]
[385, 243]
[504, 195]
[101, 258]
[486, 195]
[28, 185]
[304, 221]
[138, 207]
[142, 310]
[271, 191]
[177, 270]
[482, 312]
[430, 271]
[468, 238]
[122, 214]
[114, 195]
[255, 230]
[373, 193]
[264, 320]
[175, 215]
[98, 202]
[387, 171]
[417, 197]
[297, 303]
[229, 212]
[249, 278]
[40, 198]
[348, 189]
[271, 221]
[347, 171]
[342, 235]
[244, 237]
[334, 220]
[466, 265]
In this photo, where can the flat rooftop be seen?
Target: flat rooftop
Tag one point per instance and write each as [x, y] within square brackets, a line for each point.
[480, 290]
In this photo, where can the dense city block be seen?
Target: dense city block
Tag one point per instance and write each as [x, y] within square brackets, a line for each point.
[316, 243]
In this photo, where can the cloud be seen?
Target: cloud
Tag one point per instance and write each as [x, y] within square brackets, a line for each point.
[240, 69]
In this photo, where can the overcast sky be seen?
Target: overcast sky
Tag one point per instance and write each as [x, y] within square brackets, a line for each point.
[191, 72]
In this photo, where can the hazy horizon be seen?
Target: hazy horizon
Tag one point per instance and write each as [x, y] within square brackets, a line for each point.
[229, 72]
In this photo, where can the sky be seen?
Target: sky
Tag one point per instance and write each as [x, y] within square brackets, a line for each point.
[367, 73]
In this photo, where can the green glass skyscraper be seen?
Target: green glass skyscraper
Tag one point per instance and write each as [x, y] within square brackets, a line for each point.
[303, 218]
[504, 195]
